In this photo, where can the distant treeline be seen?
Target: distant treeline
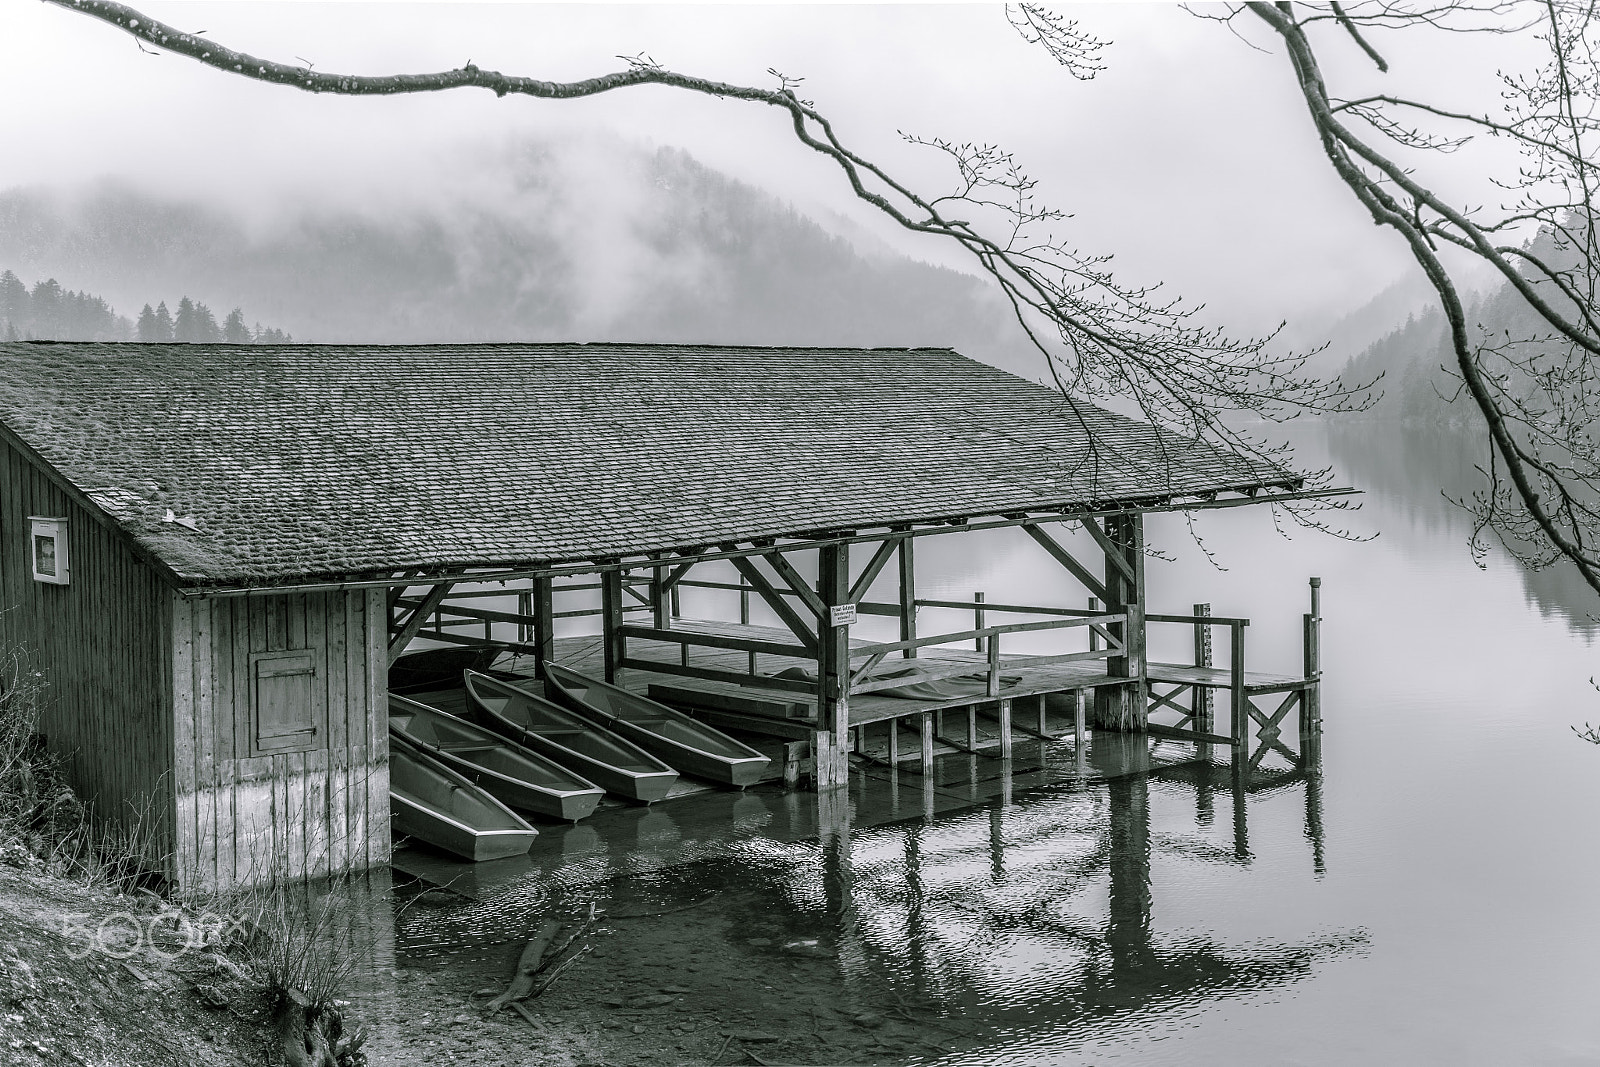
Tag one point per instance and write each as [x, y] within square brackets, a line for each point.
[49, 312]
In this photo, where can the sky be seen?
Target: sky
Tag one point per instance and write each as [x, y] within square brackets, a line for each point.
[1189, 159]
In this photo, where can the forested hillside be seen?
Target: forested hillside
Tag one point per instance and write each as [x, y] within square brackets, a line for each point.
[671, 250]
[49, 312]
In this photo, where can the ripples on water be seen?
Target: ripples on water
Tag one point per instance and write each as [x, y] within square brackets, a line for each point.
[1426, 898]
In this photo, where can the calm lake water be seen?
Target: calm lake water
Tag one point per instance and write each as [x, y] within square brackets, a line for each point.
[1429, 898]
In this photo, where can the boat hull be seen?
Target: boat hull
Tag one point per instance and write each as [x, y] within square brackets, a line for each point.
[681, 740]
[432, 803]
[647, 781]
[521, 779]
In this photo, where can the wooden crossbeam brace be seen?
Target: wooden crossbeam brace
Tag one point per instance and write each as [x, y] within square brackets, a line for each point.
[401, 637]
[791, 577]
[675, 576]
[866, 669]
[1158, 700]
[802, 629]
[875, 566]
[1270, 731]
[1084, 575]
[1114, 552]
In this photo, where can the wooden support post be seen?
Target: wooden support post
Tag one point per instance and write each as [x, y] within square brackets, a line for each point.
[1313, 656]
[1124, 706]
[908, 596]
[1005, 729]
[1205, 705]
[611, 622]
[894, 742]
[660, 598]
[977, 620]
[544, 624]
[1044, 715]
[972, 726]
[1239, 701]
[926, 724]
[525, 609]
[833, 669]
[1094, 638]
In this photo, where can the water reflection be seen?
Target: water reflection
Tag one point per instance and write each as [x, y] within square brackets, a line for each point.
[1417, 470]
[1031, 913]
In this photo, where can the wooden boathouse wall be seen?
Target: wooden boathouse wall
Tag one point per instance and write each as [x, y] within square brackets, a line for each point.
[101, 642]
[281, 736]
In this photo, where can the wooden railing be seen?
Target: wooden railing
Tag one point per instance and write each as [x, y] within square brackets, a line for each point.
[987, 639]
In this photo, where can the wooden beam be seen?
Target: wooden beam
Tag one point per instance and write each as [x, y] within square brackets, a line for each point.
[798, 625]
[908, 597]
[401, 637]
[695, 637]
[544, 624]
[1112, 551]
[874, 567]
[791, 578]
[713, 674]
[1123, 706]
[1065, 558]
[833, 669]
[614, 641]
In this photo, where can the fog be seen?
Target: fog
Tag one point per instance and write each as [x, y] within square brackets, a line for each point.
[1188, 158]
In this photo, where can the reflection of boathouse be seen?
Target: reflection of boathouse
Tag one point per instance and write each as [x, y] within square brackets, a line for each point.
[245, 537]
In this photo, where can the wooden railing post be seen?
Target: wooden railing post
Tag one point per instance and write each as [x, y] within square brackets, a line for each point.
[1240, 709]
[1094, 637]
[525, 609]
[1311, 699]
[1205, 705]
[977, 619]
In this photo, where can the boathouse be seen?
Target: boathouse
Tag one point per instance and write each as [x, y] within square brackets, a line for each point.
[214, 552]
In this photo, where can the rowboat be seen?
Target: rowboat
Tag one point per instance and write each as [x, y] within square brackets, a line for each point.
[438, 668]
[686, 743]
[515, 776]
[513, 710]
[432, 803]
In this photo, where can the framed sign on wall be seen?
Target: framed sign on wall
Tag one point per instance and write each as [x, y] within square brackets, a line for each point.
[48, 548]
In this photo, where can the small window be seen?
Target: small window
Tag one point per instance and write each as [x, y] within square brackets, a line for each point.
[48, 548]
[287, 719]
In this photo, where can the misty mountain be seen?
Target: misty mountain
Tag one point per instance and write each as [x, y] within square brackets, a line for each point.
[625, 244]
[1417, 359]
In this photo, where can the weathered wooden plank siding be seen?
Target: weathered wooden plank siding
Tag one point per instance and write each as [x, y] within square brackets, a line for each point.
[305, 813]
[103, 643]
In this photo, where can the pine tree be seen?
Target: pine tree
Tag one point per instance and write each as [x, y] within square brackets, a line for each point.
[45, 303]
[163, 328]
[184, 325]
[206, 330]
[234, 331]
[13, 298]
[148, 329]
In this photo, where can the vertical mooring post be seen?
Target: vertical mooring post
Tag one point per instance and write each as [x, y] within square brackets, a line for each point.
[908, 595]
[544, 623]
[1124, 706]
[1239, 700]
[611, 622]
[832, 745]
[1311, 699]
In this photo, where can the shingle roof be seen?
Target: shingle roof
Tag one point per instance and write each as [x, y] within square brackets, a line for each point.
[297, 462]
